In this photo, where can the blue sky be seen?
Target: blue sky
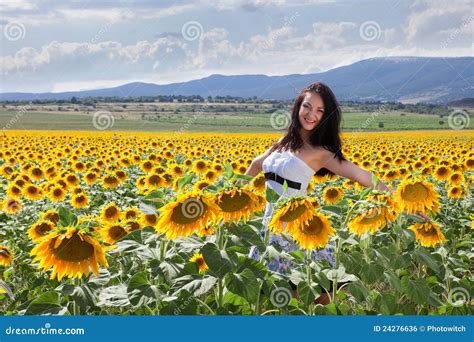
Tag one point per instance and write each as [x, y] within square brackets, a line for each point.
[74, 45]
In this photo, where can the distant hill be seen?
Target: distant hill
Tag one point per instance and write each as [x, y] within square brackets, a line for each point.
[466, 103]
[402, 79]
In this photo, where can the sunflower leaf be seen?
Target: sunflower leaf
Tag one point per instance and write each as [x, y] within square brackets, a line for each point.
[45, 303]
[187, 179]
[228, 171]
[218, 261]
[66, 217]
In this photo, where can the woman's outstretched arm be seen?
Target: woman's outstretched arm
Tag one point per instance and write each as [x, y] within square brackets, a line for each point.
[347, 169]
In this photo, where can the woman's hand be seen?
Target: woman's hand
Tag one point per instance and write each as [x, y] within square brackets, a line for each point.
[422, 215]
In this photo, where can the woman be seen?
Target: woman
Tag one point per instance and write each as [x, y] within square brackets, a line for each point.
[312, 145]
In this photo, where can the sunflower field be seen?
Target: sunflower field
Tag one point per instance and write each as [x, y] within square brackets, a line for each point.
[100, 223]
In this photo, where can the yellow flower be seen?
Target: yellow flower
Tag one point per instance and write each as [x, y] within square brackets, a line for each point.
[12, 205]
[199, 260]
[79, 201]
[294, 212]
[416, 194]
[110, 212]
[32, 192]
[6, 256]
[313, 233]
[72, 253]
[40, 229]
[332, 195]
[189, 212]
[57, 194]
[428, 234]
[238, 204]
[112, 232]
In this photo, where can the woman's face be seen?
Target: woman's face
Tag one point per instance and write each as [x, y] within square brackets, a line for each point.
[311, 111]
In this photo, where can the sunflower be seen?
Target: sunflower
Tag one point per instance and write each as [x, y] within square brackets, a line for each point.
[79, 201]
[200, 166]
[110, 181]
[456, 178]
[112, 232]
[40, 229]
[153, 181]
[441, 173]
[70, 253]
[6, 256]
[373, 219]
[13, 190]
[11, 205]
[57, 194]
[238, 204]
[131, 214]
[332, 195]
[456, 192]
[51, 215]
[149, 219]
[199, 260]
[202, 184]
[313, 233]
[188, 212]
[90, 178]
[110, 212]
[293, 213]
[416, 194]
[32, 192]
[427, 233]
[132, 225]
[258, 183]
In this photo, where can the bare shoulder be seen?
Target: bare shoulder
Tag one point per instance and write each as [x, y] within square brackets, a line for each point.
[319, 153]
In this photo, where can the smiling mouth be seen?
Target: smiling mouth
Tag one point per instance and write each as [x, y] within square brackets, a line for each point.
[309, 121]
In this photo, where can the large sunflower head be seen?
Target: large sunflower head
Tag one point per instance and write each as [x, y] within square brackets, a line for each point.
[292, 212]
[414, 194]
[70, 253]
[238, 204]
[428, 234]
[190, 211]
[6, 256]
[313, 233]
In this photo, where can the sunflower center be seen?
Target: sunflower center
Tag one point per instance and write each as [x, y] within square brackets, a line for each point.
[229, 203]
[73, 249]
[117, 232]
[293, 214]
[111, 212]
[313, 227]
[415, 192]
[428, 232]
[200, 261]
[188, 212]
[332, 193]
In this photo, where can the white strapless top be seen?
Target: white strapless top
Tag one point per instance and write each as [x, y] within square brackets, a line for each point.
[287, 165]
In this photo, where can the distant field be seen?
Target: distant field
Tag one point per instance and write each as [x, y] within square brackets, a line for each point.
[189, 118]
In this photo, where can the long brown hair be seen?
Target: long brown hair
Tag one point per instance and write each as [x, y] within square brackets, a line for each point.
[325, 134]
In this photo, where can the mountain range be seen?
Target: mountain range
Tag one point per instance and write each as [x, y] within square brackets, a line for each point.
[402, 79]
